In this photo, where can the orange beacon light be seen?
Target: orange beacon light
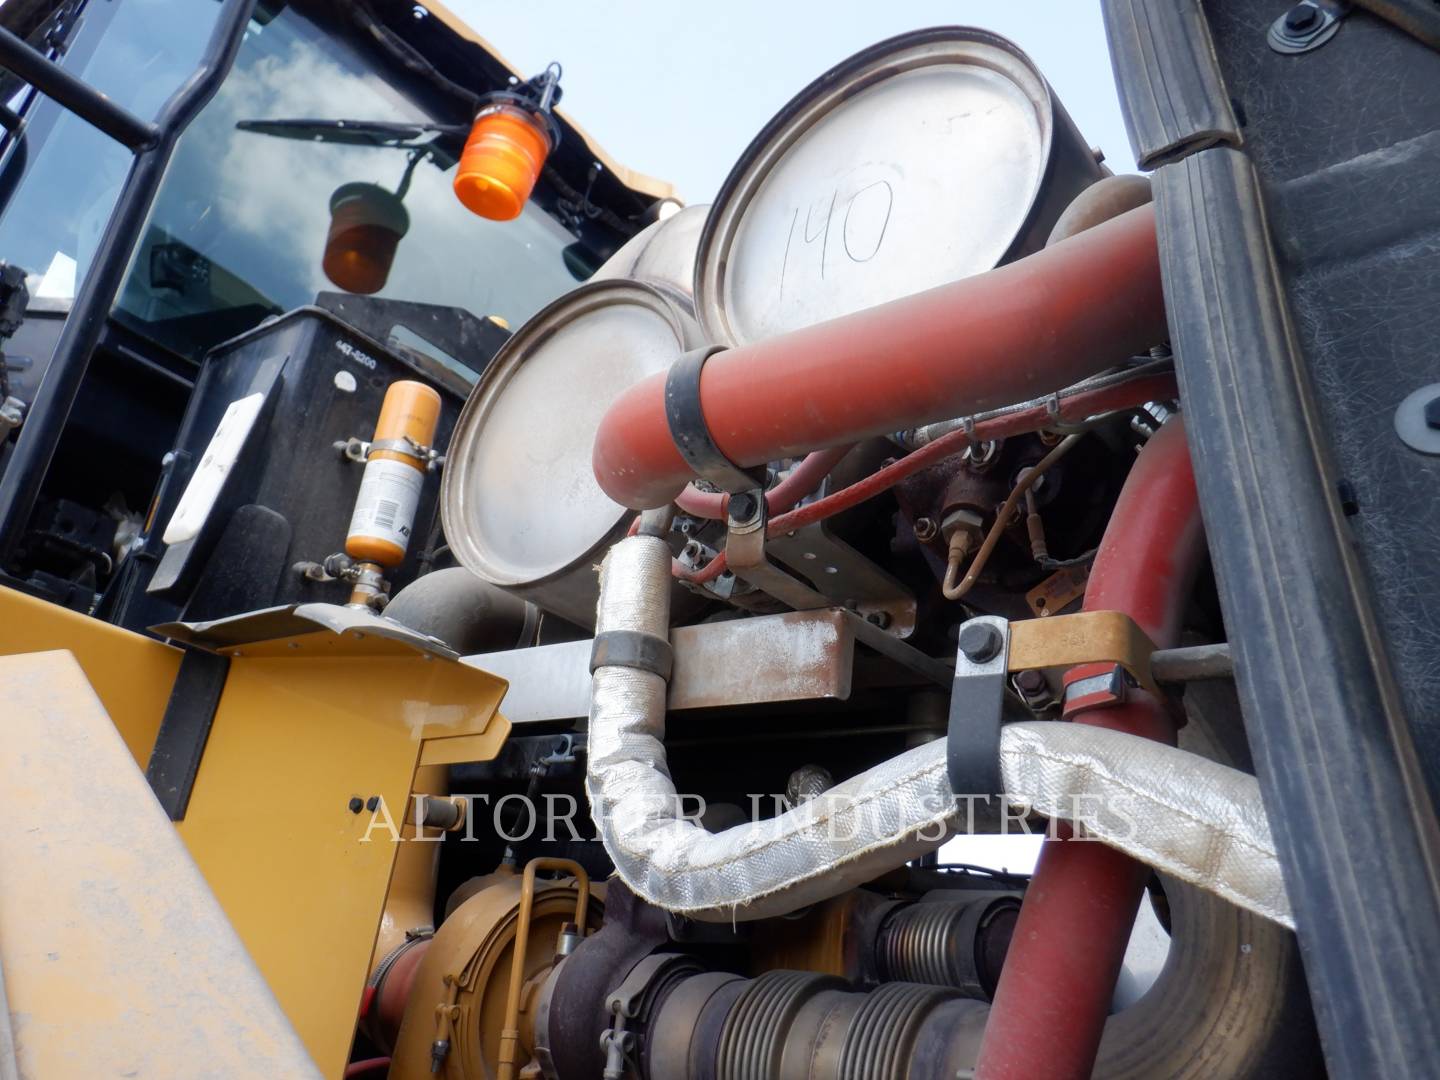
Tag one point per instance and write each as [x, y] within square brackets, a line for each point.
[514, 132]
[366, 225]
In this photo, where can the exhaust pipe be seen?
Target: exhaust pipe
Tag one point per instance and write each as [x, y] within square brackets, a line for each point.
[1012, 334]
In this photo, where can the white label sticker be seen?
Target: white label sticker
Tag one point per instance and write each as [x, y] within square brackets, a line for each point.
[209, 475]
[385, 507]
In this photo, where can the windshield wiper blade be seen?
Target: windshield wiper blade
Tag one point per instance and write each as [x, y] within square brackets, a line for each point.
[351, 132]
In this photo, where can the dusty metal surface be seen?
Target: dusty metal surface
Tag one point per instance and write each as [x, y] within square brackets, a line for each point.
[313, 628]
[520, 502]
[299, 733]
[847, 576]
[132, 674]
[917, 162]
[662, 253]
[118, 960]
[797, 656]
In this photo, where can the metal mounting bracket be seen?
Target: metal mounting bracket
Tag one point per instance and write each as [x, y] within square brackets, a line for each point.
[1086, 637]
[747, 558]
[990, 648]
[977, 707]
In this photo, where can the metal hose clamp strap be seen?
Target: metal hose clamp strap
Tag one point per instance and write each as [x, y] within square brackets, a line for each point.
[408, 447]
[686, 419]
[632, 649]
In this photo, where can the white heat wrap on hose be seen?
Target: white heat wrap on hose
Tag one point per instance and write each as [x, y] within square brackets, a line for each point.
[1193, 818]
[894, 812]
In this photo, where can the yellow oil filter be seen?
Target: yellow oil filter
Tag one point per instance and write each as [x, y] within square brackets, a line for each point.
[394, 475]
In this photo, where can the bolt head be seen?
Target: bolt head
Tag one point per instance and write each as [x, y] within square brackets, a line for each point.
[372, 802]
[980, 642]
[743, 506]
[1302, 18]
[1030, 681]
[925, 529]
[356, 804]
[1432, 414]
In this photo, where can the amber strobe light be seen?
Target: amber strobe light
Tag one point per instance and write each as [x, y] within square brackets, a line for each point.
[366, 225]
[514, 133]
[394, 475]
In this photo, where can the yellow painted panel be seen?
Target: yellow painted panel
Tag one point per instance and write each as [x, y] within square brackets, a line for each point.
[131, 673]
[294, 740]
[117, 959]
[461, 748]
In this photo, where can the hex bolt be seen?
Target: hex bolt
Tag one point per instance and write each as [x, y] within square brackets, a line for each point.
[1031, 681]
[1301, 19]
[980, 642]
[879, 618]
[1432, 413]
[372, 802]
[925, 529]
[742, 506]
[356, 804]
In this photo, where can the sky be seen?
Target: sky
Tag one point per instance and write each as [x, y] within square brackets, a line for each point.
[678, 90]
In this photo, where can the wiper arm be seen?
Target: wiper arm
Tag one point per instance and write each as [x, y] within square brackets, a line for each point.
[350, 132]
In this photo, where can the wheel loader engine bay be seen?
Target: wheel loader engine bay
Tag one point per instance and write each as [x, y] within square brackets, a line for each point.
[467, 612]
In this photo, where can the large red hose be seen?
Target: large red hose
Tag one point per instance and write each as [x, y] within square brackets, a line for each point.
[1055, 989]
[1013, 334]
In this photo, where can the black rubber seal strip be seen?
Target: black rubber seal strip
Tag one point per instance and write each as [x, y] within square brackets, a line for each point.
[692, 435]
[185, 729]
[1323, 716]
[632, 649]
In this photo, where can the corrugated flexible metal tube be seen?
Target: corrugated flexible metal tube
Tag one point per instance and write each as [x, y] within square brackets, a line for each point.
[1027, 329]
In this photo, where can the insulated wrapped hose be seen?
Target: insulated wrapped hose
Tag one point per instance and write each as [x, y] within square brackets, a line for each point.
[1195, 819]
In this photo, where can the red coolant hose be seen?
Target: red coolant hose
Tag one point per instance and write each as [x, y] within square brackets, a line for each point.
[803, 479]
[1012, 334]
[1068, 409]
[1059, 975]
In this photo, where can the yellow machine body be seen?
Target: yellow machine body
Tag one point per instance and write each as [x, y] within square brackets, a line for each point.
[304, 725]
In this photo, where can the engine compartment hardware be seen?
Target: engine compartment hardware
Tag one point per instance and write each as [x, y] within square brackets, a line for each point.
[977, 706]
[632, 649]
[1307, 25]
[745, 550]
[1192, 663]
[293, 630]
[990, 648]
[817, 655]
[1417, 419]
[510, 1028]
[1086, 637]
[847, 577]
[686, 418]
[1058, 591]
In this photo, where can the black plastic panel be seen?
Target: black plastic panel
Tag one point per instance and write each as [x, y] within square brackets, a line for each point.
[1346, 144]
[324, 383]
[1300, 277]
